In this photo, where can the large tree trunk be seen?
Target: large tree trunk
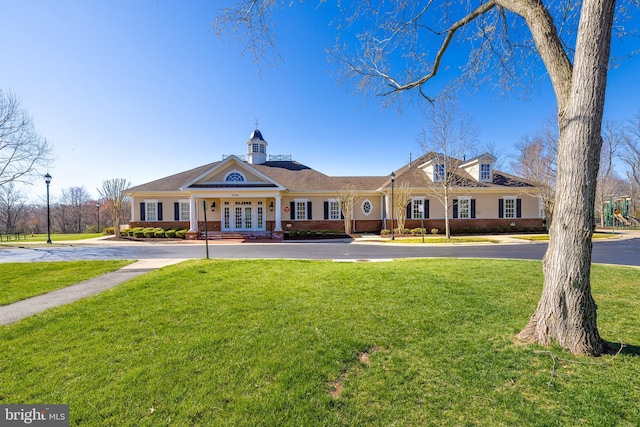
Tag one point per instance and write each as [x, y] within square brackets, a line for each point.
[566, 312]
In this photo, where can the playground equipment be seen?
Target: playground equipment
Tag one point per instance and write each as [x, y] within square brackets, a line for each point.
[617, 213]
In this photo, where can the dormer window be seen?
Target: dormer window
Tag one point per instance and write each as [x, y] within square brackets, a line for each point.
[438, 172]
[485, 172]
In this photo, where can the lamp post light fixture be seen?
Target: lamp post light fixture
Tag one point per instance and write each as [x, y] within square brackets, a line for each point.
[393, 180]
[47, 179]
[98, 216]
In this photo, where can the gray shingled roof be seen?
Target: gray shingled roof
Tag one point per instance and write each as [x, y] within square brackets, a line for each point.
[174, 182]
[295, 176]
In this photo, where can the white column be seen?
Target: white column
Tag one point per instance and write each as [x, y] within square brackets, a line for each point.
[193, 217]
[386, 208]
[278, 213]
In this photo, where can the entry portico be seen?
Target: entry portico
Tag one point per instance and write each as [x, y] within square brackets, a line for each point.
[237, 195]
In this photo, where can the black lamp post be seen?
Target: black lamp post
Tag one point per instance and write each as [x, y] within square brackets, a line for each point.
[98, 211]
[393, 180]
[47, 179]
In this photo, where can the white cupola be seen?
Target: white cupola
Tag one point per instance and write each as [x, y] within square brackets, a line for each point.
[256, 148]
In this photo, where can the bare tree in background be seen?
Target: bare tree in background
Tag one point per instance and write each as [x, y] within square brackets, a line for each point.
[114, 195]
[76, 199]
[631, 150]
[12, 205]
[535, 160]
[22, 150]
[573, 41]
[610, 184]
[347, 199]
[451, 136]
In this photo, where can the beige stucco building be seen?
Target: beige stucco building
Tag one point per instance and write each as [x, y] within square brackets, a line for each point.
[266, 195]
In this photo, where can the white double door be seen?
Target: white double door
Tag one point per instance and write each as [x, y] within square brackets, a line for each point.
[243, 215]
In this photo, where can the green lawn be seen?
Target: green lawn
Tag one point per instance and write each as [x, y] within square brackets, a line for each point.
[545, 237]
[316, 343]
[441, 239]
[55, 238]
[24, 280]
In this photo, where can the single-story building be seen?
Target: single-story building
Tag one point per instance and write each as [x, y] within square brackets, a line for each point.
[268, 195]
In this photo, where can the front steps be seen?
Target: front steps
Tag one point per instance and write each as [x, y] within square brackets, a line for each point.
[248, 236]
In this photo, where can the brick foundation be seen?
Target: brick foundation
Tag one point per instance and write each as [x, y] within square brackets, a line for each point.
[480, 225]
[467, 226]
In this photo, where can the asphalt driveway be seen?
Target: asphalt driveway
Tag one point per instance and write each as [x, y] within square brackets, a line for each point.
[620, 251]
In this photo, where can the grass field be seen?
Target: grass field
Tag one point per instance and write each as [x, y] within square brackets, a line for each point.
[545, 237]
[316, 343]
[26, 280]
[442, 239]
[42, 238]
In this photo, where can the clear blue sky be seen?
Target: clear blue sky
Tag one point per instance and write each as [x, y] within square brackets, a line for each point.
[142, 89]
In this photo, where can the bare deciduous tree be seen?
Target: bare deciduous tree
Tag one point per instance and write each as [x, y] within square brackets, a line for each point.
[114, 195]
[76, 199]
[535, 160]
[573, 41]
[12, 205]
[402, 196]
[347, 198]
[451, 136]
[609, 182]
[631, 149]
[22, 150]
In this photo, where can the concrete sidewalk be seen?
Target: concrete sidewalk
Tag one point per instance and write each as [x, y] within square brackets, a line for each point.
[19, 310]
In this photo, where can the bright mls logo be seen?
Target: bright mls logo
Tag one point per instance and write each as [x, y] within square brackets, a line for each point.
[34, 415]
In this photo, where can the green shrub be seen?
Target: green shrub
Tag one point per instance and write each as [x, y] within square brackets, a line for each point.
[384, 232]
[138, 234]
[171, 234]
[134, 230]
[181, 234]
[313, 233]
[324, 233]
[435, 231]
[160, 234]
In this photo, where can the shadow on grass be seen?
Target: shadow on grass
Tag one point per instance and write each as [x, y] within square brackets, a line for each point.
[614, 348]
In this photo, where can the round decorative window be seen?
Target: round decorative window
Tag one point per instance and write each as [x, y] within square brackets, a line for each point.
[366, 207]
[234, 177]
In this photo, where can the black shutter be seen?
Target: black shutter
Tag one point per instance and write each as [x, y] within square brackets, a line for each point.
[159, 211]
[500, 208]
[473, 208]
[176, 211]
[409, 210]
[426, 208]
[326, 210]
[455, 208]
[518, 208]
[308, 210]
[142, 211]
[292, 206]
